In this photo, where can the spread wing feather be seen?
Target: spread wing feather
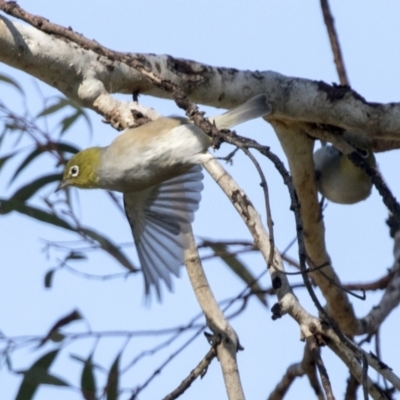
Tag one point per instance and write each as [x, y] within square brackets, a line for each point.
[159, 217]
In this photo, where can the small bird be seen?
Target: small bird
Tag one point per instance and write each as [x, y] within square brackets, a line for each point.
[157, 167]
[338, 179]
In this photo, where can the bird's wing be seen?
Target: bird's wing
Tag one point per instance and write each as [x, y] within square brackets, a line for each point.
[159, 218]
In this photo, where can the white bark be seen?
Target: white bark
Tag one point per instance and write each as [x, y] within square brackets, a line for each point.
[88, 78]
[216, 321]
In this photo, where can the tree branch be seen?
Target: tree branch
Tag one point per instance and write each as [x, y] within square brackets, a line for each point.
[89, 72]
[200, 370]
[305, 367]
[335, 45]
[216, 321]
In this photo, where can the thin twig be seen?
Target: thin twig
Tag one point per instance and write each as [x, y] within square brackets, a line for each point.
[365, 376]
[305, 367]
[315, 352]
[334, 39]
[164, 364]
[264, 185]
[200, 370]
[351, 388]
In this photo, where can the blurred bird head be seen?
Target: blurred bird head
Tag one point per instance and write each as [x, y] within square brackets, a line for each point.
[338, 179]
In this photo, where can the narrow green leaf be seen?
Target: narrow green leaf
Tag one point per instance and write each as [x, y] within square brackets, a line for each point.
[15, 204]
[12, 82]
[48, 278]
[76, 255]
[7, 206]
[88, 382]
[239, 269]
[110, 248]
[27, 389]
[67, 122]
[86, 117]
[61, 147]
[31, 156]
[58, 105]
[27, 191]
[38, 374]
[71, 317]
[67, 148]
[4, 159]
[50, 379]
[113, 380]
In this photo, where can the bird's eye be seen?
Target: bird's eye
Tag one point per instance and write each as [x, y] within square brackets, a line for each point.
[74, 171]
[364, 153]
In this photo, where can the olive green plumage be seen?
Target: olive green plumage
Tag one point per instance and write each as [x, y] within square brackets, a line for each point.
[156, 167]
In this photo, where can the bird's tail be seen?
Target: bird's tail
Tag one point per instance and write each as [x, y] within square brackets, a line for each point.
[256, 107]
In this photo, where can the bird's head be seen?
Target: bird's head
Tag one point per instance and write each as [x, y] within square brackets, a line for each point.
[82, 170]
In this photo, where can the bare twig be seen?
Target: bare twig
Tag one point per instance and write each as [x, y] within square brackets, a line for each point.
[305, 367]
[335, 45]
[355, 368]
[200, 370]
[215, 320]
[166, 362]
[264, 185]
[316, 354]
[351, 388]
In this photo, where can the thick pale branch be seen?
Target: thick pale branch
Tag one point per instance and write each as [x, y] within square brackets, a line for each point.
[84, 70]
[356, 370]
[216, 321]
[352, 354]
[288, 303]
[299, 151]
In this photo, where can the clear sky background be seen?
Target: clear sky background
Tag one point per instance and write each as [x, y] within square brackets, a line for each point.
[288, 37]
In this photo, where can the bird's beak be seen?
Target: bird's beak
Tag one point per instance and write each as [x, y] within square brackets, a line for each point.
[63, 184]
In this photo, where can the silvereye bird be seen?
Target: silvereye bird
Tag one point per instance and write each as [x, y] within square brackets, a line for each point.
[156, 167]
[339, 180]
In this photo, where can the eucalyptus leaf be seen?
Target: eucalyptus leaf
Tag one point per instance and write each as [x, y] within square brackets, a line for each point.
[113, 380]
[48, 278]
[88, 381]
[58, 105]
[20, 206]
[31, 156]
[110, 248]
[4, 159]
[27, 191]
[37, 375]
[67, 148]
[67, 122]
[12, 82]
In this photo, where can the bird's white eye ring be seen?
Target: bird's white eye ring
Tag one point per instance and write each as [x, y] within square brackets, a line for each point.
[74, 171]
[364, 153]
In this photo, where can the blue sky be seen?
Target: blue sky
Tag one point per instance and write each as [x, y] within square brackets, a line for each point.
[287, 37]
